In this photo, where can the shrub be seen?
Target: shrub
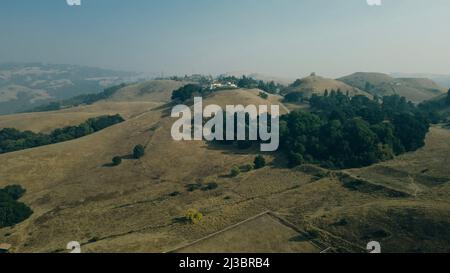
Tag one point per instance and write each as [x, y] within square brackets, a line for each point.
[263, 95]
[235, 171]
[193, 187]
[210, 186]
[193, 216]
[247, 168]
[117, 160]
[260, 162]
[138, 151]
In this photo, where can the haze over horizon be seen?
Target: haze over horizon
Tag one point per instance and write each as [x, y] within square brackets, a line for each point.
[288, 38]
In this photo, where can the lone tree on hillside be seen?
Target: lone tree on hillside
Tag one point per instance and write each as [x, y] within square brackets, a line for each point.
[138, 151]
[259, 162]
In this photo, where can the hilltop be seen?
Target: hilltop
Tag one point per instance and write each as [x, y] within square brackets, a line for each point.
[314, 84]
[378, 84]
[155, 91]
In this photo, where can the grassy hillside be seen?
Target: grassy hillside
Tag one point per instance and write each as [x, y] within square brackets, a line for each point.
[317, 85]
[378, 84]
[155, 91]
[139, 205]
[128, 101]
[44, 122]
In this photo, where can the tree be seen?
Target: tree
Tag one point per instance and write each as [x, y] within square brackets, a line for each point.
[15, 191]
[11, 211]
[187, 92]
[411, 130]
[117, 160]
[138, 151]
[294, 97]
[193, 216]
[259, 162]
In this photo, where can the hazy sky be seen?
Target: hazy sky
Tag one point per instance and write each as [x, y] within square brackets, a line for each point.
[278, 37]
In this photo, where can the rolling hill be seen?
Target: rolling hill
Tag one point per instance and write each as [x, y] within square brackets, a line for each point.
[155, 91]
[139, 205]
[314, 84]
[378, 84]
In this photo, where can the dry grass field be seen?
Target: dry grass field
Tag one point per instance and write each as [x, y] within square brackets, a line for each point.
[139, 205]
[264, 234]
[156, 91]
[317, 85]
[44, 122]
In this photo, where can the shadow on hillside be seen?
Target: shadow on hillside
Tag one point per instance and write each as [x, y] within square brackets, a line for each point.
[111, 164]
[300, 238]
[180, 220]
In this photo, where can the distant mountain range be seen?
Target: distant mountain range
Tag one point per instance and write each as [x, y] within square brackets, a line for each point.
[27, 85]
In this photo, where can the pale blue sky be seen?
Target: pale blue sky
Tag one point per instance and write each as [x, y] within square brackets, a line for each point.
[279, 37]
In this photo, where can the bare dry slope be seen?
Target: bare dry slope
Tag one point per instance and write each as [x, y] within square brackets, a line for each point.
[44, 122]
[317, 85]
[156, 91]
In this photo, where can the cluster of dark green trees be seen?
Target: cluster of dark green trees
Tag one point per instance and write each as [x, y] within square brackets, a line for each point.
[15, 140]
[294, 97]
[12, 211]
[187, 92]
[434, 107]
[348, 132]
[248, 82]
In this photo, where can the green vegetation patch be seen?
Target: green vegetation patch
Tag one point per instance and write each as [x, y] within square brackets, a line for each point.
[351, 132]
[11, 211]
[14, 140]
